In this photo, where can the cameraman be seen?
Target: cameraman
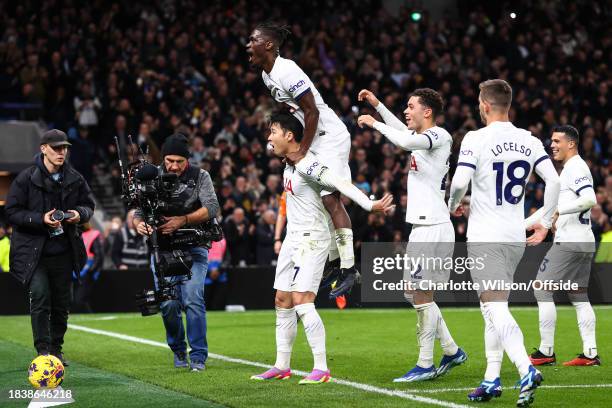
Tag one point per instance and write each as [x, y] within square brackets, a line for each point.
[198, 203]
[46, 249]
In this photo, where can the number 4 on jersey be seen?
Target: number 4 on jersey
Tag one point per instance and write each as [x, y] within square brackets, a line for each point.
[413, 165]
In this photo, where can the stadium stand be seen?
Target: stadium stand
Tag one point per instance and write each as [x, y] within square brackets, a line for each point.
[150, 69]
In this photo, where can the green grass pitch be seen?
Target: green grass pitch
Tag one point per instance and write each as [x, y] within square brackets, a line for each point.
[368, 347]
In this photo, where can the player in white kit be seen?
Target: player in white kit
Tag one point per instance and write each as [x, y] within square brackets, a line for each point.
[324, 134]
[304, 251]
[498, 159]
[432, 235]
[571, 254]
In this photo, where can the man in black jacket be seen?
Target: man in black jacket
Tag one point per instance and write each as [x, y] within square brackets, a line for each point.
[44, 250]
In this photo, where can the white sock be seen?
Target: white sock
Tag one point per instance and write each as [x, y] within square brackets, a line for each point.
[333, 247]
[315, 333]
[494, 351]
[586, 325]
[344, 241]
[286, 330]
[427, 323]
[443, 334]
[548, 321]
[510, 335]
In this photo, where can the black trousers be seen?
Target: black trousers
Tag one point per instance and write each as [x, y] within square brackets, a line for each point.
[50, 292]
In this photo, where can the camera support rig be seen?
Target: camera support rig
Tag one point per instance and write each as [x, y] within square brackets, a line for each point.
[143, 187]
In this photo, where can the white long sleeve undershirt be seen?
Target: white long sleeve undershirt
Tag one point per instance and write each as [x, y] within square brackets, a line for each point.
[547, 172]
[459, 186]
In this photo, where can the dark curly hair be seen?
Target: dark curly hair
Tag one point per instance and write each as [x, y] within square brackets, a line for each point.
[431, 99]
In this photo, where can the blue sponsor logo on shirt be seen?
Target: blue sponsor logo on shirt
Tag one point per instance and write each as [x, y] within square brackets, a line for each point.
[581, 179]
[467, 153]
[293, 88]
[311, 168]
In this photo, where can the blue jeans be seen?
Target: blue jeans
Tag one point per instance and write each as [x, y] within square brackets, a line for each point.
[190, 295]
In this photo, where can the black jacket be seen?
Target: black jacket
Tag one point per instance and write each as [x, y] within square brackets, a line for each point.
[27, 202]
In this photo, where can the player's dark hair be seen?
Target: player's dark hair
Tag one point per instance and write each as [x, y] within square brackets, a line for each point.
[431, 99]
[497, 92]
[288, 122]
[274, 31]
[569, 131]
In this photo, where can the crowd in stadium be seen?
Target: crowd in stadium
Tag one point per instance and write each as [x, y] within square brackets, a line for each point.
[151, 69]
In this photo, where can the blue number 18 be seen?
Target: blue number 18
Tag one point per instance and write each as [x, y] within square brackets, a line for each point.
[513, 181]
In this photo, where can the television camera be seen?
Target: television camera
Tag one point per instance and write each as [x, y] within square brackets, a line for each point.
[154, 193]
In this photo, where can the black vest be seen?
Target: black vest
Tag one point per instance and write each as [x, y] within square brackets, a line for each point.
[185, 198]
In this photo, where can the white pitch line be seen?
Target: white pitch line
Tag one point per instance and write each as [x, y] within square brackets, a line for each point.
[432, 391]
[360, 386]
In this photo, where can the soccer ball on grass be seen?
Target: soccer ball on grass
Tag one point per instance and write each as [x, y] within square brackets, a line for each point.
[46, 371]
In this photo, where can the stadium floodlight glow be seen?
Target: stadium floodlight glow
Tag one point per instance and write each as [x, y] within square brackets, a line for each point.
[513, 15]
[416, 16]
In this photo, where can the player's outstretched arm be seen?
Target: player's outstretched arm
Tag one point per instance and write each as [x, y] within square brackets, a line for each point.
[312, 169]
[387, 116]
[384, 205]
[406, 139]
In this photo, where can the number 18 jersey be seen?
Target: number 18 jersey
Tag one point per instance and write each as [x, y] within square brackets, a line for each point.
[503, 157]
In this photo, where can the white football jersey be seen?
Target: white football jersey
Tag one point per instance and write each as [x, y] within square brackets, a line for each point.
[576, 227]
[503, 157]
[427, 180]
[287, 84]
[305, 210]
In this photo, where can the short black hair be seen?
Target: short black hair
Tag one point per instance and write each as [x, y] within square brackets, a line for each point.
[288, 122]
[276, 32]
[570, 132]
[431, 99]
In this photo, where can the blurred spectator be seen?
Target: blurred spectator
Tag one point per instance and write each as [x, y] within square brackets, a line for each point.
[376, 230]
[86, 106]
[82, 153]
[238, 236]
[129, 249]
[90, 273]
[264, 237]
[215, 289]
[5, 246]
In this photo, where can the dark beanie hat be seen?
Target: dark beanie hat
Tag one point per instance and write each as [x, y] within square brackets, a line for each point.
[176, 144]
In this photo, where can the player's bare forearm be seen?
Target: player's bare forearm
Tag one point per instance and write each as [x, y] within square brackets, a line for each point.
[280, 225]
[311, 121]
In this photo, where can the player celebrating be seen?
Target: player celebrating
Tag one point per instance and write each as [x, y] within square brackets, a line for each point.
[432, 231]
[570, 258]
[499, 159]
[303, 253]
[324, 134]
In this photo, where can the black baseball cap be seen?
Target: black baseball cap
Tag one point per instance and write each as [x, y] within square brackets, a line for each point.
[54, 138]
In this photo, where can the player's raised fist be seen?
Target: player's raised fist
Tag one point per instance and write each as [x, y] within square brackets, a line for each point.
[365, 120]
[384, 205]
[367, 95]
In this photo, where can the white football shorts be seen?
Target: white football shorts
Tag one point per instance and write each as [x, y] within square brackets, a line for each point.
[429, 249]
[300, 263]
